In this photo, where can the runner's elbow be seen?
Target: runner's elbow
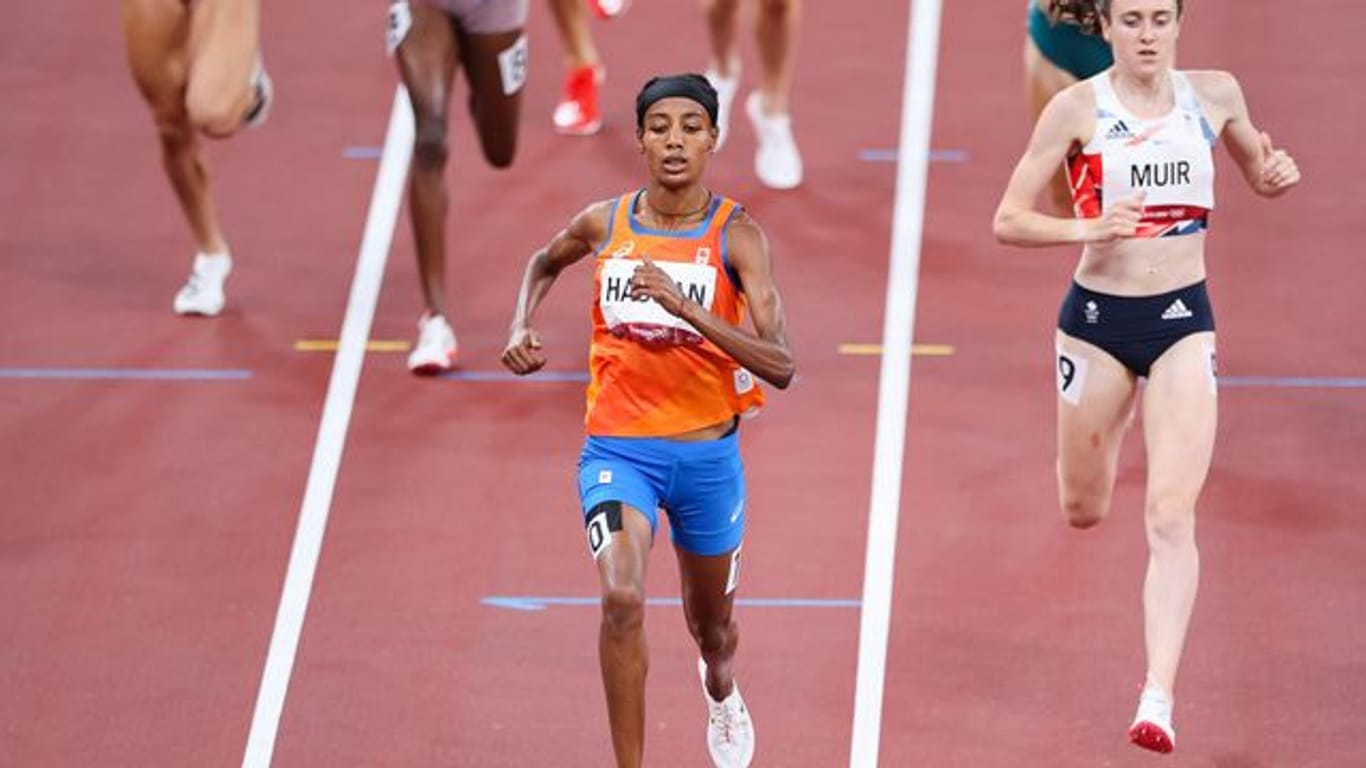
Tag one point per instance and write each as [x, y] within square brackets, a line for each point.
[1003, 226]
[782, 375]
[542, 266]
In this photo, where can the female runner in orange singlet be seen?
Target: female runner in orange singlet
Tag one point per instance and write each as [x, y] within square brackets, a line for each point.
[672, 371]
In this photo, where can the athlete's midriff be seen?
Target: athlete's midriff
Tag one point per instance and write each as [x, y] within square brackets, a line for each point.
[1137, 267]
[712, 432]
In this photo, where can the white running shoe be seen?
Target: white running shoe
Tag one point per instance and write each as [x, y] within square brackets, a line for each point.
[1152, 728]
[435, 349]
[777, 163]
[202, 293]
[730, 732]
[263, 94]
[725, 94]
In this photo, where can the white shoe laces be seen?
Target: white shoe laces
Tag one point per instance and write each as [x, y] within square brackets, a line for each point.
[1155, 708]
[726, 716]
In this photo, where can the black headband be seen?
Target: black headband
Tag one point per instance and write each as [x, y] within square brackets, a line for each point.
[689, 86]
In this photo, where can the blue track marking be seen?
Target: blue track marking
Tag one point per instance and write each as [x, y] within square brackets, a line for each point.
[524, 603]
[1293, 382]
[140, 374]
[936, 155]
[362, 153]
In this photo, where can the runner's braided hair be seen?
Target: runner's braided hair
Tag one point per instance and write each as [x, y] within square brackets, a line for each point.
[1085, 13]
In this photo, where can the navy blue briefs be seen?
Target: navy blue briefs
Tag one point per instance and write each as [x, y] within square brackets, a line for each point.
[1135, 330]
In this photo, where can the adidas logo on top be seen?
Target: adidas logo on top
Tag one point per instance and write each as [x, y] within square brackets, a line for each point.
[1177, 311]
[1119, 131]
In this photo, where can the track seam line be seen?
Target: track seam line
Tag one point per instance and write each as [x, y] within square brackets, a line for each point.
[908, 216]
[336, 417]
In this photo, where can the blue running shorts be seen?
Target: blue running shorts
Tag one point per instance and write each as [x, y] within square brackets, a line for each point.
[700, 486]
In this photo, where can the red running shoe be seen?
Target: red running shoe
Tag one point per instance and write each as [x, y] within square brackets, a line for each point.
[577, 113]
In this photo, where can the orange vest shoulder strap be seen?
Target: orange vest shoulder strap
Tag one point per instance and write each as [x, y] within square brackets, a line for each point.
[621, 214]
[722, 216]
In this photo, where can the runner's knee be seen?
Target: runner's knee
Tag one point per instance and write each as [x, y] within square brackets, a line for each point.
[429, 143]
[214, 114]
[1084, 504]
[713, 636]
[1083, 507]
[1170, 523]
[1084, 512]
[623, 609]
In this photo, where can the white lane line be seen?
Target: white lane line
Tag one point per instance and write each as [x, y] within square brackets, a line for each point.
[917, 107]
[327, 452]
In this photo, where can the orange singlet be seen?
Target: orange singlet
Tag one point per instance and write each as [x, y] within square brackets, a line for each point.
[652, 374]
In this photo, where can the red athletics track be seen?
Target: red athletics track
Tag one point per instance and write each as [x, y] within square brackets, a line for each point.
[1016, 641]
[148, 582]
[144, 524]
[146, 586]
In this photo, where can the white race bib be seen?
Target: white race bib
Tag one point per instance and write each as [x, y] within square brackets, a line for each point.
[399, 24]
[643, 319]
[512, 66]
[1173, 167]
